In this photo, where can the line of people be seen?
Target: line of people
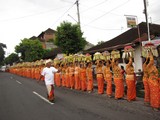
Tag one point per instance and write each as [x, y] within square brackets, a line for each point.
[76, 75]
[79, 76]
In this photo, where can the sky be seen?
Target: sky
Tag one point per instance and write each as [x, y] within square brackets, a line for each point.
[101, 20]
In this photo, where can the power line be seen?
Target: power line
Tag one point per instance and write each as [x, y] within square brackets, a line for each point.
[94, 6]
[107, 12]
[156, 20]
[102, 28]
[63, 14]
[42, 12]
[66, 1]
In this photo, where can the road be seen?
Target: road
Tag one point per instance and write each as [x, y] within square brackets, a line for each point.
[24, 99]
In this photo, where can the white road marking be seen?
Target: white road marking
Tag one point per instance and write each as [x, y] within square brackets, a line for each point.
[42, 98]
[18, 82]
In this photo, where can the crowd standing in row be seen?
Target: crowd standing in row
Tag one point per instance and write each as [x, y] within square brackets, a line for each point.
[76, 72]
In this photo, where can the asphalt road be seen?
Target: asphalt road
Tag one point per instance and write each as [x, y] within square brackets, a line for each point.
[24, 99]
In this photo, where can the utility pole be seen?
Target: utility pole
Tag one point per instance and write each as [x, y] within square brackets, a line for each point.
[77, 3]
[146, 15]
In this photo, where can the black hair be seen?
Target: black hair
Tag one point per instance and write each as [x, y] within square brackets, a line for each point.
[147, 61]
[122, 67]
[126, 61]
[116, 60]
[87, 64]
[109, 61]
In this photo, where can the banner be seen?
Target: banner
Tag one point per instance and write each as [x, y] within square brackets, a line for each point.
[131, 21]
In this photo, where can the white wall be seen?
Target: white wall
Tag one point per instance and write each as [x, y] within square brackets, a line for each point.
[137, 58]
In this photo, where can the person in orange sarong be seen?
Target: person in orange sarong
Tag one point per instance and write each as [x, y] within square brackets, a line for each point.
[29, 76]
[71, 75]
[154, 85]
[83, 76]
[37, 75]
[76, 76]
[57, 76]
[67, 76]
[58, 79]
[100, 76]
[108, 78]
[63, 67]
[145, 82]
[27, 71]
[118, 79]
[89, 73]
[22, 71]
[33, 72]
[130, 80]
[17, 70]
[42, 66]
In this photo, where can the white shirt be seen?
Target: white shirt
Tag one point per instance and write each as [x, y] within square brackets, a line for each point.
[48, 74]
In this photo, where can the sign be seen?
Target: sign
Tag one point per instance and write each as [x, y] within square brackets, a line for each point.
[131, 22]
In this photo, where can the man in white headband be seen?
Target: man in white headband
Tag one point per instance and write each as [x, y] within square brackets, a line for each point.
[48, 73]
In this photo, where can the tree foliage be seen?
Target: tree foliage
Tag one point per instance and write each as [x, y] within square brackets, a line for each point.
[100, 42]
[11, 59]
[2, 52]
[30, 50]
[69, 38]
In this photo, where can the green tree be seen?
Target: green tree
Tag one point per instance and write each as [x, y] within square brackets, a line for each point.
[30, 50]
[11, 59]
[2, 52]
[69, 38]
[100, 42]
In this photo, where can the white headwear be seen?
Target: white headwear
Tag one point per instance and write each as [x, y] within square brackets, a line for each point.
[47, 61]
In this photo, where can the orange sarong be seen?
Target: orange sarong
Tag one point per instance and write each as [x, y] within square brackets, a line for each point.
[90, 80]
[146, 91]
[67, 80]
[83, 79]
[77, 82]
[154, 93]
[90, 84]
[109, 87]
[71, 79]
[58, 79]
[109, 84]
[100, 81]
[63, 80]
[119, 88]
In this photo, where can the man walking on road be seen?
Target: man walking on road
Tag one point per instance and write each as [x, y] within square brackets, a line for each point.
[48, 73]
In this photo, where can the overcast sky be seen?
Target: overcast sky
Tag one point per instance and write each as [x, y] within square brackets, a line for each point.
[101, 20]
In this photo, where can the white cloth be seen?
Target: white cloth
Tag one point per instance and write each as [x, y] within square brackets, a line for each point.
[47, 61]
[48, 74]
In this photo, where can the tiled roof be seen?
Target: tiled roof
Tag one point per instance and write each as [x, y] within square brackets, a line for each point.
[50, 31]
[33, 38]
[127, 38]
